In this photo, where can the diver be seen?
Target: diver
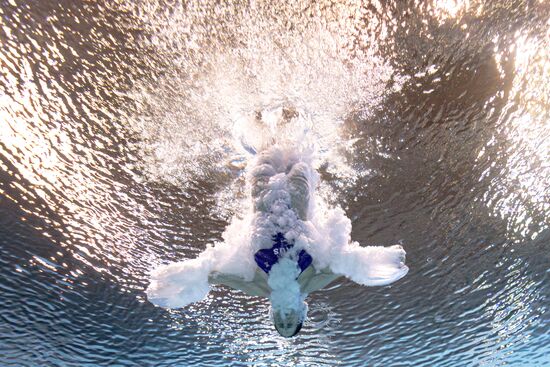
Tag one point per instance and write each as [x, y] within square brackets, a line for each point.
[285, 271]
[288, 199]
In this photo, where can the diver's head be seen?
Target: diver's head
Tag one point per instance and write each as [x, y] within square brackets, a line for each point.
[288, 309]
[288, 321]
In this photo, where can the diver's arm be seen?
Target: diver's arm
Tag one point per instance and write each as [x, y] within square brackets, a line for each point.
[257, 287]
[312, 280]
[370, 265]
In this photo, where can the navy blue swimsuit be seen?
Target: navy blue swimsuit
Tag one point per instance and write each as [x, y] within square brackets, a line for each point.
[266, 258]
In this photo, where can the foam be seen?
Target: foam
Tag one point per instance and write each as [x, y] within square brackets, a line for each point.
[326, 237]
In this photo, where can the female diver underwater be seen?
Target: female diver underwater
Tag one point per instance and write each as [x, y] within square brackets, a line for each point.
[282, 250]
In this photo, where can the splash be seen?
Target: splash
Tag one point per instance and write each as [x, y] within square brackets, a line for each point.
[241, 79]
[321, 230]
[233, 69]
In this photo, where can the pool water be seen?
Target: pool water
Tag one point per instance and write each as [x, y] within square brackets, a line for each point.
[124, 135]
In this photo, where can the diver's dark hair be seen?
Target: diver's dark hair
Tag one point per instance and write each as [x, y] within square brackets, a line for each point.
[298, 328]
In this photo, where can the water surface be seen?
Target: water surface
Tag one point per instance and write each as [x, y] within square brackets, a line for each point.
[122, 127]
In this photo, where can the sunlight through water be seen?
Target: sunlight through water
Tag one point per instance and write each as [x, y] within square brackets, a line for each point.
[125, 131]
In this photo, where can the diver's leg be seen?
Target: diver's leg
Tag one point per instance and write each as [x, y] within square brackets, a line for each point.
[298, 182]
[259, 180]
[264, 168]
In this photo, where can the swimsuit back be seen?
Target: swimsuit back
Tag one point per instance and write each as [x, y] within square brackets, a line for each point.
[266, 258]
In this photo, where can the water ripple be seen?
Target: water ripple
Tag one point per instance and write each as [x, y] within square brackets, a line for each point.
[117, 153]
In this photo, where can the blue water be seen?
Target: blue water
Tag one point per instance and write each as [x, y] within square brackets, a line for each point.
[114, 158]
